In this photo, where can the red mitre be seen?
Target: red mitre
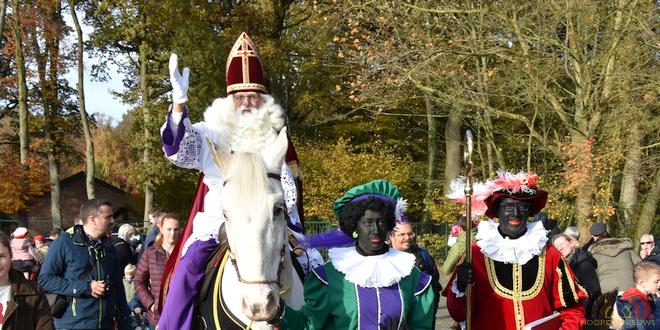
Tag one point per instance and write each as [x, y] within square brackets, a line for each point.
[244, 70]
[521, 186]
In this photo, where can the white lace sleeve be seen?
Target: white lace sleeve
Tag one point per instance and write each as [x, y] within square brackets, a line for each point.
[290, 194]
[189, 151]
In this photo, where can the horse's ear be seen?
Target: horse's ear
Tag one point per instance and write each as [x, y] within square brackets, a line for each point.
[275, 152]
[221, 159]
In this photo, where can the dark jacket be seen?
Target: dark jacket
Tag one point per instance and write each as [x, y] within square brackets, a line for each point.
[149, 240]
[29, 308]
[584, 267]
[73, 261]
[654, 256]
[426, 263]
[125, 253]
[148, 278]
[616, 260]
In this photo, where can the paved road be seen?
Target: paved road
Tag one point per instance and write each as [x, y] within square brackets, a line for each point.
[442, 319]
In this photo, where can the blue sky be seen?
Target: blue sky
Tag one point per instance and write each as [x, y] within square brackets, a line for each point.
[98, 96]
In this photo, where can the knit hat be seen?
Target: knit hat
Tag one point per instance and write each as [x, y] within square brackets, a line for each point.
[381, 189]
[244, 70]
[20, 232]
[40, 238]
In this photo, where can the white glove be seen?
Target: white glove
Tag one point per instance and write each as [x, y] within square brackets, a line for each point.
[179, 82]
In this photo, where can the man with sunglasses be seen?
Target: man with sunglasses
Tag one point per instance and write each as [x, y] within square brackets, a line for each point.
[647, 249]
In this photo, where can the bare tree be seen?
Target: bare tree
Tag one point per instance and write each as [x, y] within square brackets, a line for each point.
[89, 142]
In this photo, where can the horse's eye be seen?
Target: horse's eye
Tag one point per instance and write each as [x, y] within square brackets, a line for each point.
[278, 209]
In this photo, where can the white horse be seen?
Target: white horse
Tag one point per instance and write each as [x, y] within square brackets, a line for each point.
[258, 263]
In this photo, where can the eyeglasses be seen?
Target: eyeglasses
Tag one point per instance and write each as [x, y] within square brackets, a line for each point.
[401, 235]
[643, 243]
[250, 97]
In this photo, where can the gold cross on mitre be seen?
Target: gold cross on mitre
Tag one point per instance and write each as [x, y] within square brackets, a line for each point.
[244, 48]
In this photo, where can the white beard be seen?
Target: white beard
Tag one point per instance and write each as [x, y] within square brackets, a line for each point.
[245, 132]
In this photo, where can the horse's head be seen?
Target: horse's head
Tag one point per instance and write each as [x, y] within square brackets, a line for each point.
[255, 222]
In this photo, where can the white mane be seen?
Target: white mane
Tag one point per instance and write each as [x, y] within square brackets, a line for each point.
[247, 181]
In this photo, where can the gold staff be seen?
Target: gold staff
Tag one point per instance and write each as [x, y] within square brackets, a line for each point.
[467, 158]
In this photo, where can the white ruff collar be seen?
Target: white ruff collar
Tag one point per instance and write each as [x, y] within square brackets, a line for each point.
[511, 251]
[372, 271]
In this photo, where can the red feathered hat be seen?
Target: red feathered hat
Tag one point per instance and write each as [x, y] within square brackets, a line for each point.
[244, 70]
[520, 186]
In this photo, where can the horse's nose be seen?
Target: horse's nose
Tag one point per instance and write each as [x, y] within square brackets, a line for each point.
[259, 302]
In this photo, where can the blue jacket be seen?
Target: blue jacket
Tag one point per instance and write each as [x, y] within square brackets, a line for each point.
[70, 266]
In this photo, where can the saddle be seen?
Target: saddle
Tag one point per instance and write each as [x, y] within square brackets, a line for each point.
[206, 316]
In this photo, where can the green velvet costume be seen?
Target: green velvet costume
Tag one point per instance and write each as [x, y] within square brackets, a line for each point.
[333, 300]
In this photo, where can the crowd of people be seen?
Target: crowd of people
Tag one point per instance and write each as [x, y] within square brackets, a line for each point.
[522, 269]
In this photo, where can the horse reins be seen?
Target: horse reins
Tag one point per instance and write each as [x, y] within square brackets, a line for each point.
[273, 176]
[279, 270]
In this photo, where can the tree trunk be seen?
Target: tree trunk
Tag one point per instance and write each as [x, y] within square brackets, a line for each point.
[89, 142]
[55, 192]
[146, 155]
[3, 12]
[432, 146]
[453, 156]
[23, 136]
[630, 179]
[648, 214]
[489, 155]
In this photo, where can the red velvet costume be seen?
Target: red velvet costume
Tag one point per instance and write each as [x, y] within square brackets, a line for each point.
[508, 296]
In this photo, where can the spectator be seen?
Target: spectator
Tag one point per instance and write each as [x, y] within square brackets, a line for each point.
[40, 248]
[639, 306]
[24, 259]
[30, 308]
[155, 215]
[83, 268]
[125, 252]
[54, 234]
[402, 238]
[152, 266]
[457, 250]
[574, 234]
[583, 266]
[615, 258]
[598, 231]
[456, 231]
[131, 297]
[648, 251]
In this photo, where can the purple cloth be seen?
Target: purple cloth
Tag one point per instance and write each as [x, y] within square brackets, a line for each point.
[170, 142]
[375, 301]
[180, 302]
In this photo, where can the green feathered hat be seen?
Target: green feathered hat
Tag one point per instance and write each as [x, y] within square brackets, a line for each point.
[381, 189]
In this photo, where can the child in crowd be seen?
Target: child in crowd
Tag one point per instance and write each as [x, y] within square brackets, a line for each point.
[40, 248]
[131, 298]
[638, 306]
[23, 258]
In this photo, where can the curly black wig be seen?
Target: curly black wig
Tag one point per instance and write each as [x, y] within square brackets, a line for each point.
[352, 212]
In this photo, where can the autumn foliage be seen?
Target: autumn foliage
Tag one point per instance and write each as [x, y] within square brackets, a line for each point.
[15, 194]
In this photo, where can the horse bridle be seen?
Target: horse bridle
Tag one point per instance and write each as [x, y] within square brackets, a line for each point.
[282, 252]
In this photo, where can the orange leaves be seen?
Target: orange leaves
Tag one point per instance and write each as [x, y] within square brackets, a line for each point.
[15, 193]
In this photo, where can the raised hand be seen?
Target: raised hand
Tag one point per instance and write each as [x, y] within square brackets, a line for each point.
[179, 81]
